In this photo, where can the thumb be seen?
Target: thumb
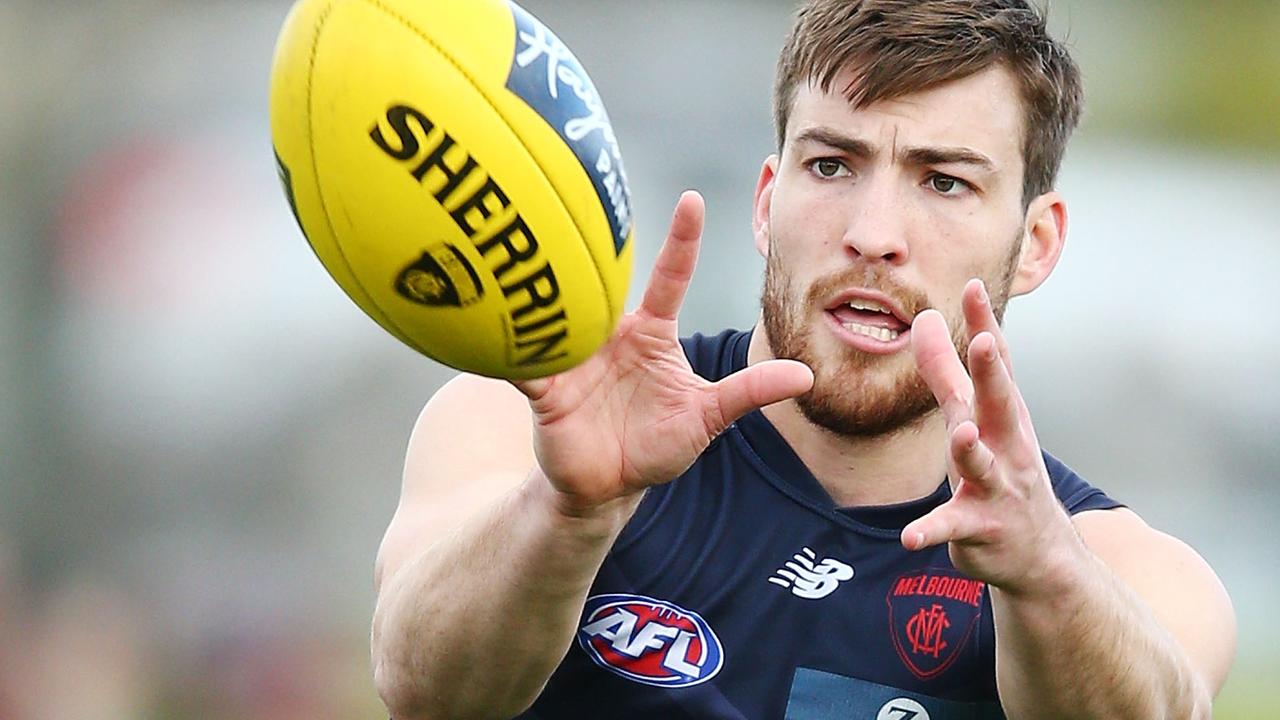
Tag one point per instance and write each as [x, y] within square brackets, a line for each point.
[754, 387]
[946, 523]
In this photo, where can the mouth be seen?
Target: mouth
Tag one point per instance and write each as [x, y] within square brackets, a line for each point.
[869, 321]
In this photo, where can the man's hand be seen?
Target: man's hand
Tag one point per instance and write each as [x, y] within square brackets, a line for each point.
[1079, 633]
[635, 414]
[1003, 523]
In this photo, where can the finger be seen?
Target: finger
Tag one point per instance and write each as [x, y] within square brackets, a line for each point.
[997, 406]
[980, 317]
[940, 366]
[679, 254]
[973, 459]
[754, 387]
[534, 389]
[946, 523]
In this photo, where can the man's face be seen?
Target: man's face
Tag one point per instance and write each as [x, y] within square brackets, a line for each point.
[892, 207]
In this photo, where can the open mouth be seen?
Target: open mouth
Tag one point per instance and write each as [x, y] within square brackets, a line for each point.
[867, 321]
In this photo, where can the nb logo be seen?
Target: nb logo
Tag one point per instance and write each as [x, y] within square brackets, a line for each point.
[810, 579]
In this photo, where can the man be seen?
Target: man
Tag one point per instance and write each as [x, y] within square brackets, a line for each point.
[843, 513]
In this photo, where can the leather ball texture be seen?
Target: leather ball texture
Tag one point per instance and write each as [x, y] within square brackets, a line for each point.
[453, 168]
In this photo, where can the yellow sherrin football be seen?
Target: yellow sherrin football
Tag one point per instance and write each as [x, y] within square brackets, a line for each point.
[453, 168]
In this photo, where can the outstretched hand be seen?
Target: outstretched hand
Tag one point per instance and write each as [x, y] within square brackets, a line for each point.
[1003, 522]
[635, 414]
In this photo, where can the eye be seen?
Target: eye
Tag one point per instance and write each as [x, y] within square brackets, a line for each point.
[947, 185]
[828, 168]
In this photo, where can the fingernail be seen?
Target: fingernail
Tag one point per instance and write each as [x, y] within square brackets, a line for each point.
[982, 287]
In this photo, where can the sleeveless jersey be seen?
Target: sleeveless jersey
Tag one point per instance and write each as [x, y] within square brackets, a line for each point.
[740, 591]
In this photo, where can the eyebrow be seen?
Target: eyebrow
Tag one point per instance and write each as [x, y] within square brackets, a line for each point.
[849, 145]
[946, 156]
[926, 155]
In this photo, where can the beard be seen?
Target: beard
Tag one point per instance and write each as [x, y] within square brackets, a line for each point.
[851, 396]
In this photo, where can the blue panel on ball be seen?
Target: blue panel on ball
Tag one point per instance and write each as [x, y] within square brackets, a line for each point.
[546, 75]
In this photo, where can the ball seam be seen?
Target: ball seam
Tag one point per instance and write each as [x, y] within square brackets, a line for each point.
[600, 276]
[386, 320]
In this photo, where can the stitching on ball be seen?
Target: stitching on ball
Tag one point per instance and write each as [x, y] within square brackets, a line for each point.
[386, 320]
[463, 71]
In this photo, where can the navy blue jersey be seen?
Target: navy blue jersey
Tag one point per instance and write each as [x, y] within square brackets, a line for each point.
[739, 590]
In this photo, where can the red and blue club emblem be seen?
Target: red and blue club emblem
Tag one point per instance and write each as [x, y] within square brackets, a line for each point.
[650, 641]
[932, 614]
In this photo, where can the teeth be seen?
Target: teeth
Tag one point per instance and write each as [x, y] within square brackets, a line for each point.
[868, 305]
[879, 333]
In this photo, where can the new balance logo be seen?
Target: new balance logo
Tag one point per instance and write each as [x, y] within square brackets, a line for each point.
[810, 579]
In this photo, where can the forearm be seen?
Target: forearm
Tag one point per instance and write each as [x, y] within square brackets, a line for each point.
[474, 626]
[1088, 647]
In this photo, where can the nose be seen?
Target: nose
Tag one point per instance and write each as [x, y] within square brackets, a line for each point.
[877, 223]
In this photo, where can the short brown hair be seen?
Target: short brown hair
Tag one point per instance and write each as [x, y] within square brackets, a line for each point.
[898, 47]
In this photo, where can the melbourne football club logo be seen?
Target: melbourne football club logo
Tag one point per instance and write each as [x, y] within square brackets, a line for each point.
[649, 641]
[932, 615]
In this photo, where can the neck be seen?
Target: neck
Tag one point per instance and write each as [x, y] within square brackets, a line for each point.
[903, 465]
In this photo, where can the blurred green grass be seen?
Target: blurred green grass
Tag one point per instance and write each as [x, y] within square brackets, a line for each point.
[1251, 692]
[1211, 80]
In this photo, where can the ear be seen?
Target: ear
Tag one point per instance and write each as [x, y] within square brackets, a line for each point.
[761, 214]
[1042, 240]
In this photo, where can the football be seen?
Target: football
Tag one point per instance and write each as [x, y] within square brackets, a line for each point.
[453, 168]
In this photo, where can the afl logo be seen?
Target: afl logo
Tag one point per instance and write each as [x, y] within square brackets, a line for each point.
[649, 641]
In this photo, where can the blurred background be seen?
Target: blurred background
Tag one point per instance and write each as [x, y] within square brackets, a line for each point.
[201, 438]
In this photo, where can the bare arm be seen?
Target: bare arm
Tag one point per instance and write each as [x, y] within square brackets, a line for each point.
[558, 468]
[1110, 639]
[1103, 618]
[453, 599]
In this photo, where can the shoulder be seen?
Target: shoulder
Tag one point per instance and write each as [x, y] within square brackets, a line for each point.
[467, 415]
[1182, 591]
[471, 429]
[1074, 492]
[471, 444]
